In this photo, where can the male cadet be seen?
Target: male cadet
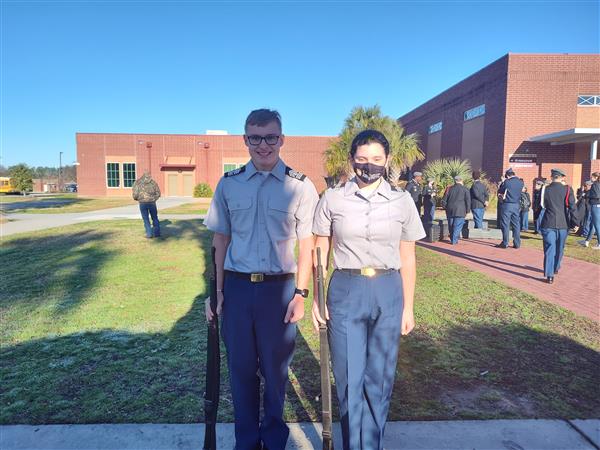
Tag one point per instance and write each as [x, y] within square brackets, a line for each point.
[479, 199]
[510, 216]
[257, 213]
[558, 201]
[413, 187]
[538, 212]
[457, 202]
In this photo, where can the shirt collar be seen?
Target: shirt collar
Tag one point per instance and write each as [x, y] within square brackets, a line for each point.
[278, 171]
[384, 189]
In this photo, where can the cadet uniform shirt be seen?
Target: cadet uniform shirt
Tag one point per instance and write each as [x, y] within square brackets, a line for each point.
[367, 230]
[264, 214]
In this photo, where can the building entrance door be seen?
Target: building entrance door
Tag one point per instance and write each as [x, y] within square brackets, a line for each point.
[179, 184]
[188, 184]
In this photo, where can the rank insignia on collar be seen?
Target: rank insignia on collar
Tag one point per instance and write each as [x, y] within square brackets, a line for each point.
[235, 172]
[294, 174]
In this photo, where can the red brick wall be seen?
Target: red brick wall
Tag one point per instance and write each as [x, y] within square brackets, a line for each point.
[487, 86]
[302, 153]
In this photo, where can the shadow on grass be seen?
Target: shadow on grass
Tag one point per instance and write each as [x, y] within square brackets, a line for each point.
[43, 204]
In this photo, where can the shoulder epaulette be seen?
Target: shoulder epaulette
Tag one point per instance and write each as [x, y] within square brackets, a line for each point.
[235, 172]
[294, 174]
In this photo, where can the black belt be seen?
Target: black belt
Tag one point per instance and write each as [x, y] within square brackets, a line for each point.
[260, 277]
[368, 271]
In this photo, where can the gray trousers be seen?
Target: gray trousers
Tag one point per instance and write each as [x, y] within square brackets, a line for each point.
[364, 333]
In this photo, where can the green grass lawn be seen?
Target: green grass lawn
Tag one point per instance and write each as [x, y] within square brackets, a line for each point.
[63, 203]
[196, 207]
[572, 248]
[100, 325]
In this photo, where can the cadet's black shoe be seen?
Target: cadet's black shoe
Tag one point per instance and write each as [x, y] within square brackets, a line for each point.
[516, 246]
[550, 280]
[501, 245]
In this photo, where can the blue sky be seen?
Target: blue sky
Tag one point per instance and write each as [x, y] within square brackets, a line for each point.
[185, 67]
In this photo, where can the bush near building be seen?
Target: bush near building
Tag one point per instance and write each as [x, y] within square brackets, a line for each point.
[203, 190]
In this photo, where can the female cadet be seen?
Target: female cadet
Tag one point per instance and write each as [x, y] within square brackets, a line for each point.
[372, 229]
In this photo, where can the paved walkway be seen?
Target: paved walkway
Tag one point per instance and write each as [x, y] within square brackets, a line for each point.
[21, 223]
[576, 287]
[456, 435]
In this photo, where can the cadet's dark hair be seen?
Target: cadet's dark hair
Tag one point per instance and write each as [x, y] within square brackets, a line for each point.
[369, 137]
[263, 117]
[476, 174]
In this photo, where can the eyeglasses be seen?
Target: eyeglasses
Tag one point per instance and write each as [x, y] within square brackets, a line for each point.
[270, 139]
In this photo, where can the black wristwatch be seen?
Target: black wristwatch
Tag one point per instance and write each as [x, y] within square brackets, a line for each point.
[302, 292]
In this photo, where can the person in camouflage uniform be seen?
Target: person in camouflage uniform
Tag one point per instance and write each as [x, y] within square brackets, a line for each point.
[146, 192]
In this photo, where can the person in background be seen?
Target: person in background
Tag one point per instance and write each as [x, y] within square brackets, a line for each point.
[510, 219]
[558, 200]
[538, 212]
[429, 201]
[146, 191]
[413, 187]
[583, 200]
[456, 202]
[499, 202]
[594, 202]
[479, 199]
[525, 204]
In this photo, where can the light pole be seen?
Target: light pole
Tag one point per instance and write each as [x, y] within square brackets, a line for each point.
[60, 171]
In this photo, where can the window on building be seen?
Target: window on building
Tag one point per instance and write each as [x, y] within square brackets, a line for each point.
[588, 100]
[435, 127]
[475, 112]
[227, 167]
[128, 174]
[112, 175]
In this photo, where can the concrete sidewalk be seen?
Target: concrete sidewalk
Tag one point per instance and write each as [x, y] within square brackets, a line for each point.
[22, 223]
[456, 435]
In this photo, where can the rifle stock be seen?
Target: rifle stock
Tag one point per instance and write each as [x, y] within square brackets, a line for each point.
[213, 367]
[324, 347]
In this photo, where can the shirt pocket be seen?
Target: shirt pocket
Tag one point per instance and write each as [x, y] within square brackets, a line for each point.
[281, 220]
[242, 217]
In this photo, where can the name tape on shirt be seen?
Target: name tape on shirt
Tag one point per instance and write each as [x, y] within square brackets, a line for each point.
[235, 172]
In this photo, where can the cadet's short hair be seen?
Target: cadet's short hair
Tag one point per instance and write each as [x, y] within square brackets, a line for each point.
[263, 117]
[596, 174]
[369, 137]
[476, 174]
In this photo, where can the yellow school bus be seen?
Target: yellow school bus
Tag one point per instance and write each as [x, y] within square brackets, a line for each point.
[6, 186]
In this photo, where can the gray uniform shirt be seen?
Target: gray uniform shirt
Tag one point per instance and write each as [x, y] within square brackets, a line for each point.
[367, 230]
[264, 214]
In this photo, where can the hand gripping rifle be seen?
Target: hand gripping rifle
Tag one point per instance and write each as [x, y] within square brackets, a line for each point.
[324, 346]
[213, 367]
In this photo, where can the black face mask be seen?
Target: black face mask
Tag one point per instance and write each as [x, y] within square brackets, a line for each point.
[368, 173]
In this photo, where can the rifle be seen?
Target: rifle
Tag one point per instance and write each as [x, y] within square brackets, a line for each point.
[324, 346]
[213, 367]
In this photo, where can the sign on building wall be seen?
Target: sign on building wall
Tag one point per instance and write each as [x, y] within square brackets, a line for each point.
[523, 159]
[435, 127]
[475, 112]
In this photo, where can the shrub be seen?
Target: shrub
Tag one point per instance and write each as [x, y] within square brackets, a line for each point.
[203, 190]
[443, 172]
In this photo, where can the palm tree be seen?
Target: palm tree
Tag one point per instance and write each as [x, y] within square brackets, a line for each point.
[404, 149]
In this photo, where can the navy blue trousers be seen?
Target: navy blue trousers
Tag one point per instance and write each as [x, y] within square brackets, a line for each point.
[256, 338]
[510, 219]
[364, 334]
[455, 226]
[478, 217]
[428, 212]
[538, 221]
[150, 209]
[554, 248]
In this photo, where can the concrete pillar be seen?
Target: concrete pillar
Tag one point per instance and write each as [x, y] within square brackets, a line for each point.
[594, 150]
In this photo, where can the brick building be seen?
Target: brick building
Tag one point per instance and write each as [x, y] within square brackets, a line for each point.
[110, 163]
[531, 112]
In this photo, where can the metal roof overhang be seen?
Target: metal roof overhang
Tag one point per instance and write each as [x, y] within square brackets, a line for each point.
[571, 136]
[177, 166]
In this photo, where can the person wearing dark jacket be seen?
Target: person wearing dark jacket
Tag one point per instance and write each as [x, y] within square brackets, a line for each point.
[594, 203]
[429, 199]
[510, 216]
[413, 187]
[146, 191]
[479, 199]
[583, 203]
[558, 200]
[456, 202]
[538, 212]
[525, 204]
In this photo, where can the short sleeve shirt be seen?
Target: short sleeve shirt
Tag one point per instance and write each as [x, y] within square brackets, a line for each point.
[264, 214]
[367, 229]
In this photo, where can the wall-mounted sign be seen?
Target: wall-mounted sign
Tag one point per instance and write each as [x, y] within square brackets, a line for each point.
[435, 127]
[474, 112]
[523, 158]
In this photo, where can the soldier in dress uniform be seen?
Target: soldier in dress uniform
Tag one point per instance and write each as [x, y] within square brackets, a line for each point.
[371, 229]
[510, 211]
[413, 187]
[257, 214]
[558, 200]
[429, 201]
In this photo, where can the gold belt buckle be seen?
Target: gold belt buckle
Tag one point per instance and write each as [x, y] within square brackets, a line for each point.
[257, 277]
[367, 271]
